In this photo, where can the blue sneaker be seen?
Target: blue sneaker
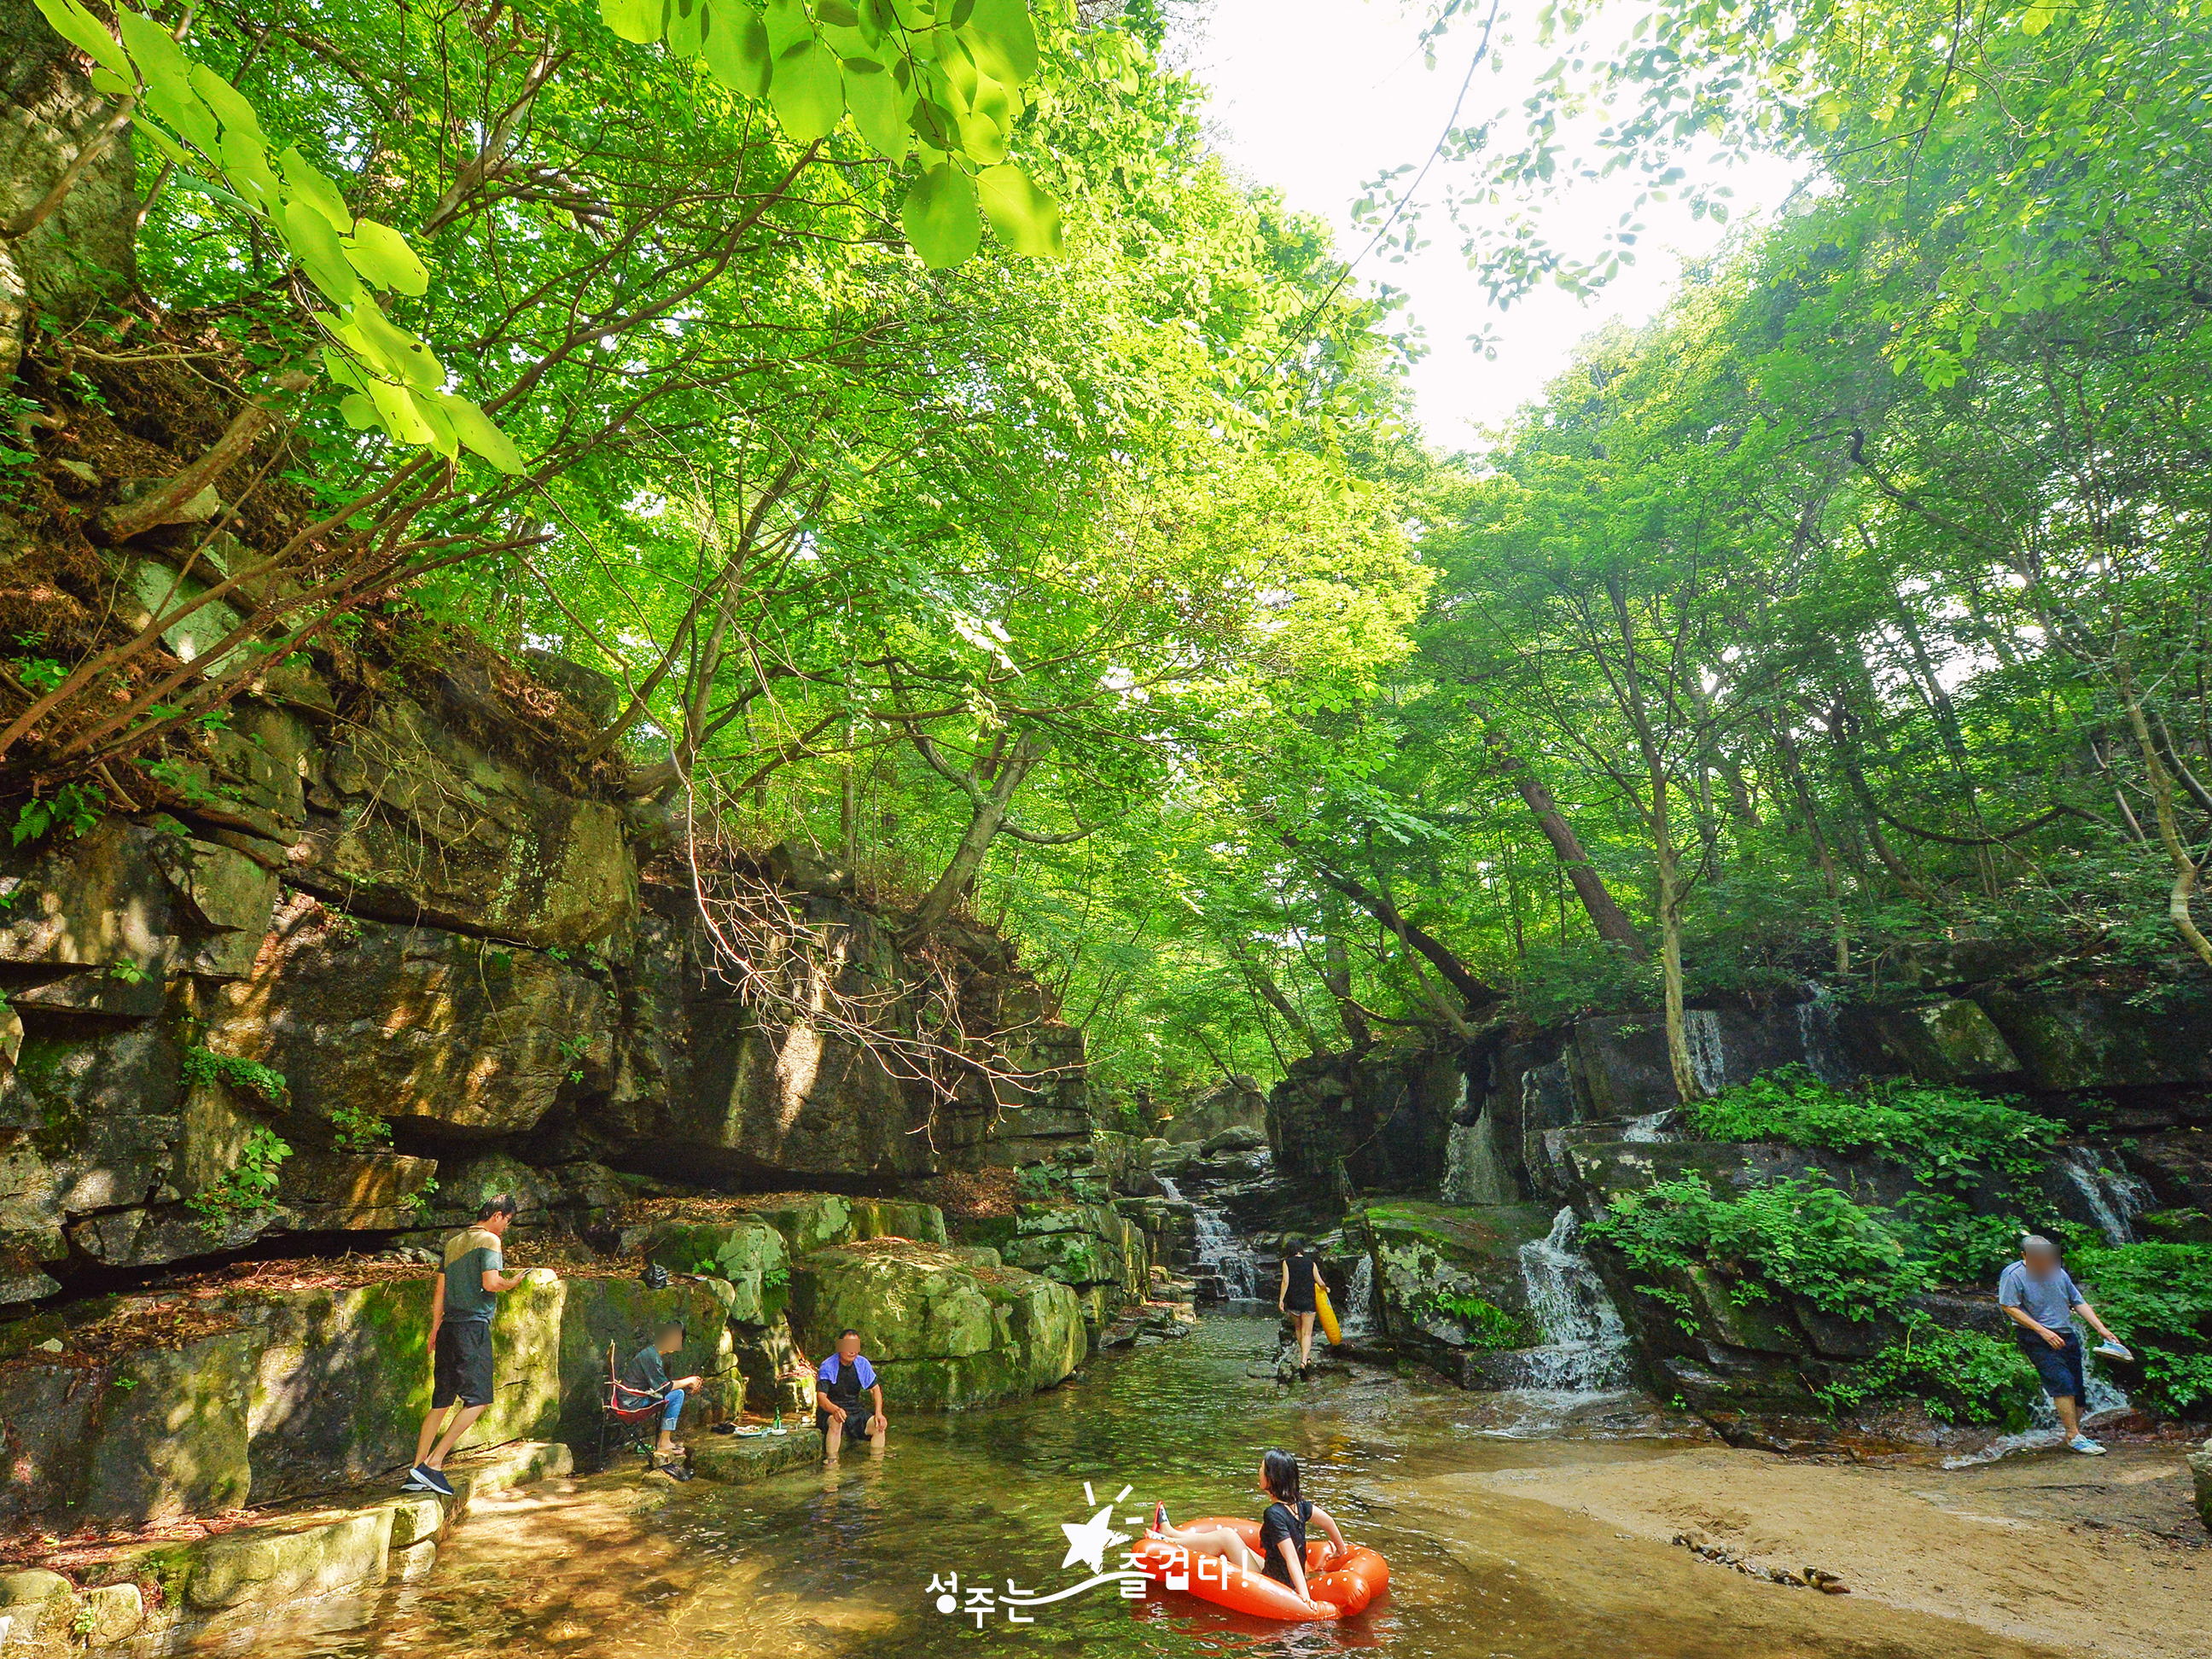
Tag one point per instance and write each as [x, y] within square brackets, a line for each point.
[432, 1480]
[2087, 1447]
[415, 1482]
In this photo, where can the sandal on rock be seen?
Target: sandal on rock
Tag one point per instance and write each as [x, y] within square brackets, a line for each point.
[673, 1471]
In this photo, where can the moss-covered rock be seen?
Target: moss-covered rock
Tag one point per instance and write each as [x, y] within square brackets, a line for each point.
[945, 1329]
[1448, 1278]
[169, 1435]
[747, 1254]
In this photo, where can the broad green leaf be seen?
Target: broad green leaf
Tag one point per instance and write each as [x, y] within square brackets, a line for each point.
[314, 244]
[840, 13]
[160, 61]
[430, 411]
[194, 121]
[360, 413]
[635, 21]
[981, 140]
[807, 91]
[735, 48]
[384, 343]
[2036, 18]
[246, 164]
[915, 14]
[939, 217]
[108, 84]
[397, 414]
[1006, 31]
[170, 149]
[341, 367]
[1026, 218]
[686, 30]
[475, 429]
[878, 111]
[381, 254]
[86, 33]
[787, 24]
[227, 102]
[305, 182]
[959, 67]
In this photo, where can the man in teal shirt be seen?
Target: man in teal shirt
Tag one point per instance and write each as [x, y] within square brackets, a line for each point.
[466, 1297]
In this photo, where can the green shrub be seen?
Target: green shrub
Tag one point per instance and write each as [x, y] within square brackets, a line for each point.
[1957, 1376]
[2158, 1298]
[251, 1185]
[1488, 1325]
[1800, 1234]
[355, 1129]
[1946, 1137]
[203, 1067]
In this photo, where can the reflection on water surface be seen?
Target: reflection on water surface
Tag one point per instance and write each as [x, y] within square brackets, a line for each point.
[840, 1563]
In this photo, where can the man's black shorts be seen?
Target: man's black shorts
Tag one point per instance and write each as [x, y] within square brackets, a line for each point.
[2059, 1368]
[462, 1368]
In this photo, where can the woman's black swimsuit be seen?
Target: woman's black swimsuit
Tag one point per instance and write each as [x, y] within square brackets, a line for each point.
[1280, 1521]
[1300, 1297]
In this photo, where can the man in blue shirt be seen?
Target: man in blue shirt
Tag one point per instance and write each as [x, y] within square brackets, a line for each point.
[2039, 1296]
[844, 1377]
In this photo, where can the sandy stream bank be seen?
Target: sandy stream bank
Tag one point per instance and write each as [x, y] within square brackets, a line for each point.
[2034, 1555]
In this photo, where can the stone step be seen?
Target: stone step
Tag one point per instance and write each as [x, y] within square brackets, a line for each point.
[736, 1459]
[293, 1554]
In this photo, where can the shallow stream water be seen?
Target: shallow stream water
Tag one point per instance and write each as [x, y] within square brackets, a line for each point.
[841, 1563]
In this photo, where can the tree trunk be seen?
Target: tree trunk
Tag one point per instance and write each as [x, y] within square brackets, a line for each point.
[83, 248]
[1786, 748]
[975, 841]
[1605, 915]
[1336, 975]
[1461, 978]
[1264, 982]
[1662, 846]
[2186, 870]
[1670, 944]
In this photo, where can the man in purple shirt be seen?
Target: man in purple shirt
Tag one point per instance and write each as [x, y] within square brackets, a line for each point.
[845, 1375]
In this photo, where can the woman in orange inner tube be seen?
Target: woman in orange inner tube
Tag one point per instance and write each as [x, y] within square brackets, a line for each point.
[1282, 1553]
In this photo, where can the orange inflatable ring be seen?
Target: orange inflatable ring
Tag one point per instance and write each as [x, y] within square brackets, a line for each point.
[1343, 1586]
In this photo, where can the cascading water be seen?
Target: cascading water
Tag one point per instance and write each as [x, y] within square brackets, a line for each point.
[1701, 1035]
[1359, 1297]
[1474, 1171]
[1817, 1035]
[1651, 1128]
[2115, 1198]
[1586, 1349]
[1222, 1256]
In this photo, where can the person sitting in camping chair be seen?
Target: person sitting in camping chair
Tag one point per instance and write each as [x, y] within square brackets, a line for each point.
[645, 1384]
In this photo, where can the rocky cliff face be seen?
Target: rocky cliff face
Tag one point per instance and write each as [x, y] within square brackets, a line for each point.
[1489, 1152]
[1494, 1121]
[400, 930]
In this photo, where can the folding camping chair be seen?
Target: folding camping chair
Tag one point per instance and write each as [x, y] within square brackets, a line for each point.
[624, 1409]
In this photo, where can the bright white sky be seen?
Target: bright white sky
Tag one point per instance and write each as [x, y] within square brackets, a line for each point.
[1316, 97]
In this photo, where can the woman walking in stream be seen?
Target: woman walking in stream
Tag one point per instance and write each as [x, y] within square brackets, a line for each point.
[1295, 1297]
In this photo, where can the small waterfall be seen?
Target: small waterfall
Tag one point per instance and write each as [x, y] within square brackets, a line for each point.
[1169, 1190]
[1651, 1128]
[2115, 1198]
[1587, 1349]
[1701, 1035]
[1817, 1036]
[1358, 1298]
[1221, 1256]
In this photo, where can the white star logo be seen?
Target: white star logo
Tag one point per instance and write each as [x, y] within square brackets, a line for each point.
[1089, 1541]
